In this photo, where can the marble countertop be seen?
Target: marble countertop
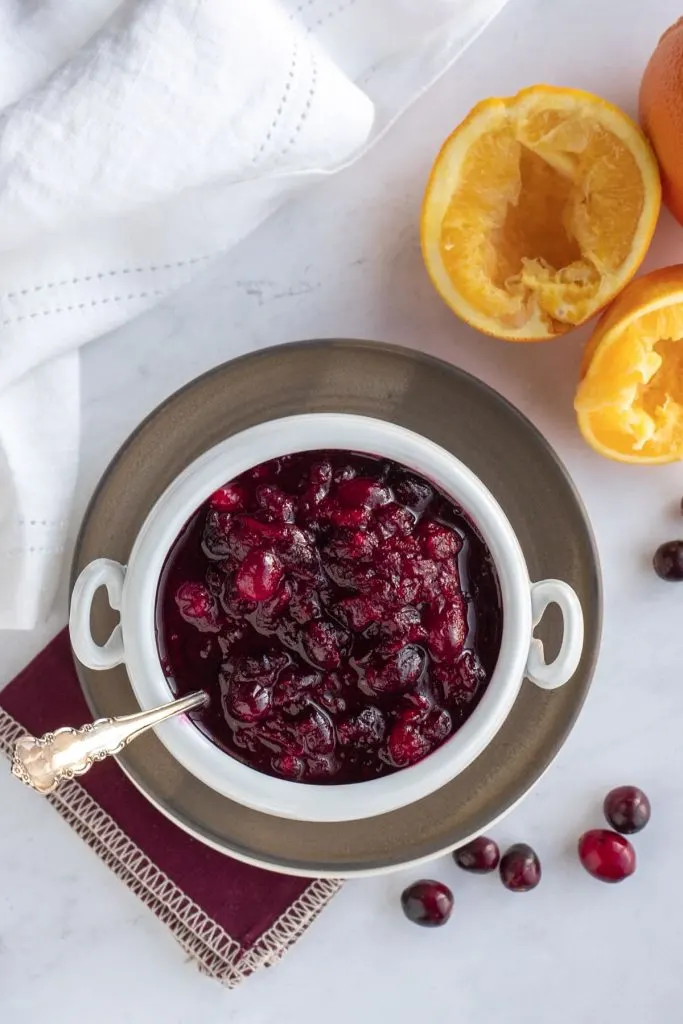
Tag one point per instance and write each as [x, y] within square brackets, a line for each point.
[344, 261]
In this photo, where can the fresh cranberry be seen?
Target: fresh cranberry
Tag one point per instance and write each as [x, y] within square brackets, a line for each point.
[427, 903]
[520, 868]
[259, 576]
[627, 809]
[198, 607]
[480, 856]
[606, 855]
[668, 561]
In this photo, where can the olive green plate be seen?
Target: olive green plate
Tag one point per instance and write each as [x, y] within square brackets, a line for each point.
[497, 443]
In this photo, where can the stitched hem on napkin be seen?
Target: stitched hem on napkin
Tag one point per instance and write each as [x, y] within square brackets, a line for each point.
[215, 951]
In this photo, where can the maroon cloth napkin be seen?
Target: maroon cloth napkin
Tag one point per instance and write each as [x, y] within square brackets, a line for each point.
[230, 917]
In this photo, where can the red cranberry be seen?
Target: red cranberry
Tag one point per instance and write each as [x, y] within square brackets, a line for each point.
[413, 492]
[198, 607]
[398, 673]
[480, 856]
[358, 612]
[393, 520]
[627, 809]
[362, 492]
[230, 498]
[438, 541]
[316, 732]
[427, 903]
[407, 744]
[668, 561]
[216, 536]
[323, 643]
[607, 855]
[520, 868]
[365, 729]
[289, 766]
[280, 507]
[259, 576]
[247, 700]
[447, 630]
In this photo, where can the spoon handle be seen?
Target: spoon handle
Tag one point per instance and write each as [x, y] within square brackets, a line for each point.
[43, 762]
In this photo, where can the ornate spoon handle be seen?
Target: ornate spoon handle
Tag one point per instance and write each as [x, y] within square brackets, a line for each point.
[43, 762]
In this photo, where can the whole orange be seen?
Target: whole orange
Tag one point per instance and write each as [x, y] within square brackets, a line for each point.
[661, 113]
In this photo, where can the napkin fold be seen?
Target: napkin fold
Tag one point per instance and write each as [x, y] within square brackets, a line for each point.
[138, 139]
[231, 918]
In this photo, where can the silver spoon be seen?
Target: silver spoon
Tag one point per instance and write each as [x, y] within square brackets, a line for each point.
[43, 762]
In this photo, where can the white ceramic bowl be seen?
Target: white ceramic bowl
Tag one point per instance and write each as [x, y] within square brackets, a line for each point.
[132, 590]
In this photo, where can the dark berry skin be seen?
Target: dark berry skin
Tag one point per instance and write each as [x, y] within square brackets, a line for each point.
[478, 857]
[668, 561]
[427, 903]
[627, 809]
[520, 868]
[606, 855]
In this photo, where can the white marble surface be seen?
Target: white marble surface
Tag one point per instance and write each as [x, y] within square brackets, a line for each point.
[345, 262]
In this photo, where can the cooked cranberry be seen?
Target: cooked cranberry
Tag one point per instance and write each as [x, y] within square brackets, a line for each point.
[438, 541]
[358, 612]
[398, 673]
[365, 729]
[393, 519]
[627, 809]
[278, 505]
[316, 731]
[668, 561]
[230, 498]
[259, 576]
[247, 700]
[289, 766]
[362, 493]
[427, 903]
[329, 621]
[606, 855]
[216, 536]
[413, 492]
[198, 607]
[520, 868]
[323, 643]
[480, 856]
[446, 630]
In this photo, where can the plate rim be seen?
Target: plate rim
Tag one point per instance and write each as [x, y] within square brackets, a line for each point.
[440, 365]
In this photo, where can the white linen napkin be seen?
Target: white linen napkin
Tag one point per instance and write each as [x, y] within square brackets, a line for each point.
[138, 139]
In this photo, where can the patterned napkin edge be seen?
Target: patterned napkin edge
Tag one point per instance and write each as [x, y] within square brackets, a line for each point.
[214, 950]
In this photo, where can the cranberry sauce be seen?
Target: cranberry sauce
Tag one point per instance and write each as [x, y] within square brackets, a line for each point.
[343, 615]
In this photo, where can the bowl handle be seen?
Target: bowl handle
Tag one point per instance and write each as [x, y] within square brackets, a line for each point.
[559, 671]
[103, 572]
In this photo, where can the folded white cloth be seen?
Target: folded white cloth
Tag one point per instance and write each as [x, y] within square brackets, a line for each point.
[139, 138]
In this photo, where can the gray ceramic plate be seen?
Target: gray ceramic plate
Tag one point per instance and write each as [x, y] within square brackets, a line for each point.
[497, 443]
